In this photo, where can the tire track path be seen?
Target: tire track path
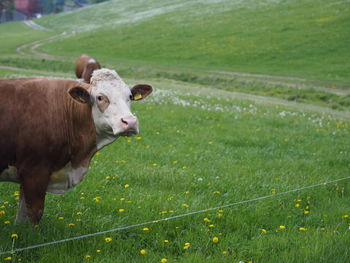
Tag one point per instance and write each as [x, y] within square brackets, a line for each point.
[30, 50]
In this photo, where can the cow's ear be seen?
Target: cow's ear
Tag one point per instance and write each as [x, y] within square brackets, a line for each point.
[141, 91]
[80, 94]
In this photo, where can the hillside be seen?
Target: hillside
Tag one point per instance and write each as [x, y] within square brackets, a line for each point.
[308, 39]
[243, 154]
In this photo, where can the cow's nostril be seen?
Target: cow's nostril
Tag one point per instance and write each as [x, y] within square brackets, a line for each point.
[124, 121]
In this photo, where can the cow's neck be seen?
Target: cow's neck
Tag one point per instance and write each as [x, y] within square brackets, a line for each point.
[103, 139]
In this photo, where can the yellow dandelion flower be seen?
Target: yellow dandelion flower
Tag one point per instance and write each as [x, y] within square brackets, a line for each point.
[79, 213]
[2, 212]
[216, 192]
[225, 252]
[122, 199]
[14, 235]
[282, 227]
[166, 241]
[154, 164]
[263, 230]
[138, 138]
[210, 142]
[97, 199]
[108, 239]
[186, 247]
[175, 162]
[302, 229]
[145, 229]
[211, 226]
[306, 212]
[61, 218]
[98, 250]
[187, 244]
[143, 251]
[163, 212]
[323, 228]
[7, 222]
[126, 186]
[221, 211]
[215, 239]
[219, 214]
[121, 210]
[8, 258]
[184, 167]
[163, 260]
[87, 256]
[71, 224]
[185, 205]
[187, 192]
[206, 219]
[82, 198]
[345, 216]
[297, 205]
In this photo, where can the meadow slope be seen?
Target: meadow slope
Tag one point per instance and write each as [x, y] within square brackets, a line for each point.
[208, 137]
[306, 38]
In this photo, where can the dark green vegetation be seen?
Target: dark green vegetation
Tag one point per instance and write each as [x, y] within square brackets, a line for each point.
[209, 135]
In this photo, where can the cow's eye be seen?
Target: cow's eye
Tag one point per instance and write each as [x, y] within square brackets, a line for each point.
[99, 98]
[130, 97]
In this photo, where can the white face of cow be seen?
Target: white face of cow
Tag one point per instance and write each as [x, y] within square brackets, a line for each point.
[111, 99]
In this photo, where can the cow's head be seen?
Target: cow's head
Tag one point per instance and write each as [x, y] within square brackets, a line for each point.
[110, 98]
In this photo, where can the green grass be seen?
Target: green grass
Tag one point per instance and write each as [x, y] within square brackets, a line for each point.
[15, 34]
[306, 39]
[205, 139]
[210, 152]
[183, 40]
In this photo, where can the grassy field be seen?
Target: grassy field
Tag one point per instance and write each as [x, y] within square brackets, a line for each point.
[306, 39]
[306, 43]
[193, 153]
[208, 138]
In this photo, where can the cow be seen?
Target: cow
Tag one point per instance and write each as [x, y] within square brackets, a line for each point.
[51, 128]
[85, 66]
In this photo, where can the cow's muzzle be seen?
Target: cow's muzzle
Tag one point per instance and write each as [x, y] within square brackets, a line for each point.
[130, 125]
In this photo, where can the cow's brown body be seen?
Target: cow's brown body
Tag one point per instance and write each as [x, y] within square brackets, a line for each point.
[42, 130]
[85, 66]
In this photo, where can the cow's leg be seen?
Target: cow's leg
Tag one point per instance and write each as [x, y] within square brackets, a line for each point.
[22, 210]
[34, 186]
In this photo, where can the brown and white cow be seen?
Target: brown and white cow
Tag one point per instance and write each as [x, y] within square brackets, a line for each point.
[85, 66]
[51, 128]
